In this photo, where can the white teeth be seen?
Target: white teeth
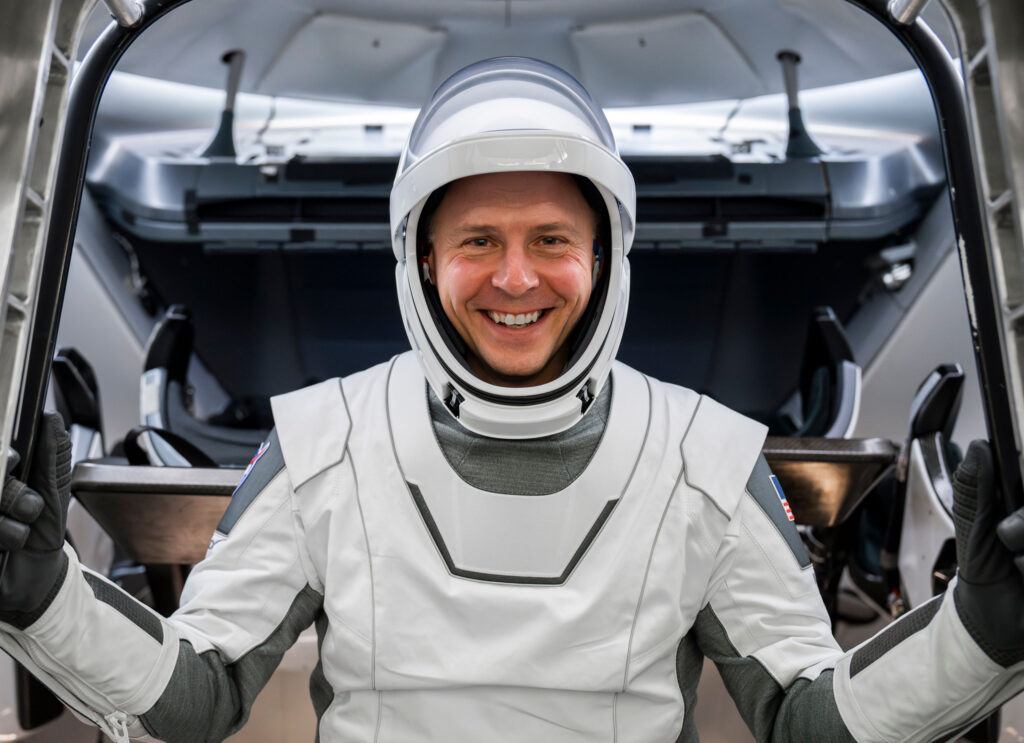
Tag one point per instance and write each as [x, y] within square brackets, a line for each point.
[515, 321]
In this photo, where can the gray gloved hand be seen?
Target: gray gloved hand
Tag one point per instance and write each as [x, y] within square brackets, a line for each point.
[33, 519]
[989, 592]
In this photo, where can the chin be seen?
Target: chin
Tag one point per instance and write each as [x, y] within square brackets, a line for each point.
[512, 375]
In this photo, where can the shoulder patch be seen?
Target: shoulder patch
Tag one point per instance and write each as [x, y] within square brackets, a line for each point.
[313, 425]
[263, 468]
[764, 487]
[719, 450]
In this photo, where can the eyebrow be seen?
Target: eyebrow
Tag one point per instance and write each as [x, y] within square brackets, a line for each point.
[489, 228]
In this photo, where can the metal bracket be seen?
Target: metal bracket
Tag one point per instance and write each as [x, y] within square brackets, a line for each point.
[906, 11]
[127, 13]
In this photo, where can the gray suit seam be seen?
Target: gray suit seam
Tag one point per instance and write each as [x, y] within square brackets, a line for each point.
[380, 715]
[654, 542]
[366, 534]
[615, 717]
[643, 586]
[369, 562]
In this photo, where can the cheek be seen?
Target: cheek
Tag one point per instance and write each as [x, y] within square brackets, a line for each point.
[572, 281]
[458, 281]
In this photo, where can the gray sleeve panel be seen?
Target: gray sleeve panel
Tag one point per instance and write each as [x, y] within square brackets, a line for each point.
[129, 607]
[265, 469]
[809, 712]
[689, 664]
[894, 634]
[764, 487]
[206, 700]
[805, 711]
[320, 691]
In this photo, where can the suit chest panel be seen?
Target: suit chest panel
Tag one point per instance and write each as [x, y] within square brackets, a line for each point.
[474, 588]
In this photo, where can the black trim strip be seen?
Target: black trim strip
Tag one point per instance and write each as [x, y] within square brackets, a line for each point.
[131, 609]
[89, 81]
[442, 548]
[894, 634]
[948, 95]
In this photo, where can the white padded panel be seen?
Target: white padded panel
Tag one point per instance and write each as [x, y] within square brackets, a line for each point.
[357, 58]
[681, 58]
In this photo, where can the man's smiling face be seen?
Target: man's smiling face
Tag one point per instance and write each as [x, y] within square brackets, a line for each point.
[511, 255]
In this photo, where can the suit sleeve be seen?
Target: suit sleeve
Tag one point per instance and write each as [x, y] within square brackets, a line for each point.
[192, 676]
[764, 625]
[920, 679]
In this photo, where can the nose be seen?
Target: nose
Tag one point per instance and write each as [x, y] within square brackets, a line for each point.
[515, 275]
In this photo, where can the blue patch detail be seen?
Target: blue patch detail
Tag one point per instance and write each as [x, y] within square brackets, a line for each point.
[263, 468]
[262, 450]
[782, 497]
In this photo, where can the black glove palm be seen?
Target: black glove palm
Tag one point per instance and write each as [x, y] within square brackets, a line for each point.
[989, 593]
[33, 521]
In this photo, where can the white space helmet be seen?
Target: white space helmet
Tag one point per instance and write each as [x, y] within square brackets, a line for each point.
[500, 115]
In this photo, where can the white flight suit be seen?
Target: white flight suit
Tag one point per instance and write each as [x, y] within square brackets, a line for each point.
[447, 613]
[462, 614]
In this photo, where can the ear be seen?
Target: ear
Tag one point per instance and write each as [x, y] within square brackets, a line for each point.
[598, 264]
[427, 265]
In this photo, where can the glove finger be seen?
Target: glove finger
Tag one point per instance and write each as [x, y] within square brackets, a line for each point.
[1019, 562]
[13, 534]
[1011, 531]
[12, 491]
[51, 465]
[977, 511]
[975, 469]
[20, 501]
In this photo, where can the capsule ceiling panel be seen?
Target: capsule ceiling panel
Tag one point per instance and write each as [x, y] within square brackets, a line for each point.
[627, 53]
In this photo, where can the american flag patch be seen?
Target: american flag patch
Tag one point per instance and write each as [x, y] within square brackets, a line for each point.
[263, 448]
[782, 497]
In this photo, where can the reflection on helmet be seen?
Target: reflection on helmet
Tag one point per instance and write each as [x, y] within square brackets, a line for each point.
[499, 115]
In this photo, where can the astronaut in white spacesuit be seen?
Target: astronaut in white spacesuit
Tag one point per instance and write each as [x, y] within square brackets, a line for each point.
[504, 534]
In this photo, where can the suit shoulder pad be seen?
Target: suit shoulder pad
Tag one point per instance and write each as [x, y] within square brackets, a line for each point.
[313, 425]
[719, 451]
